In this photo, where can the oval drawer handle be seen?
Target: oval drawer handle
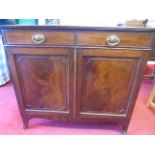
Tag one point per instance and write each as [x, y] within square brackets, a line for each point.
[38, 38]
[113, 40]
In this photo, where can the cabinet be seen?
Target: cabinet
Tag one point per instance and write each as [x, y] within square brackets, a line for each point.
[82, 74]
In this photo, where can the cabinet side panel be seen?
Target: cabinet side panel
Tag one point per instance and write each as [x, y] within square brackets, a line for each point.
[16, 83]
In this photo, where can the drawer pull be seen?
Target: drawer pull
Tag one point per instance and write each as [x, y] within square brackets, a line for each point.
[113, 40]
[38, 38]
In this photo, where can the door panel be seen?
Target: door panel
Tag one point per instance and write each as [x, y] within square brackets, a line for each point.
[100, 91]
[108, 81]
[44, 78]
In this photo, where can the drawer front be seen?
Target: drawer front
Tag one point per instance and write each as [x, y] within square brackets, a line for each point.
[120, 39]
[39, 37]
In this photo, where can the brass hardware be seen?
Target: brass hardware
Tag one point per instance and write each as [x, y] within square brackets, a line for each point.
[113, 40]
[38, 38]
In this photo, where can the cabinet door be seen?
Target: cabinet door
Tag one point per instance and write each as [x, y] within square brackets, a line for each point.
[107, 82]
[44, 78]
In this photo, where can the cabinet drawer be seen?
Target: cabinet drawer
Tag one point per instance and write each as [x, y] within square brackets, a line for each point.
[118, 39]
[39, 37]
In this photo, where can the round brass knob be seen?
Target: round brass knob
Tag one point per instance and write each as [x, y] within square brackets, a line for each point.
[38, 38]
[112, 40]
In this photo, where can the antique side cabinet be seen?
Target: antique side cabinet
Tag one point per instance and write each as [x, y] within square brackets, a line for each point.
[82, 74]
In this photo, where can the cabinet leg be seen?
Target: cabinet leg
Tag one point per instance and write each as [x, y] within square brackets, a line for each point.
[124, 132]
[124, 128]
[25, 123]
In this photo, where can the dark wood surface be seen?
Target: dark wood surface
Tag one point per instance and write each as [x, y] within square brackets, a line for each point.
[77, 28]
[102, 75]
[45, 78]
[126, 39]
[52, 37]
[74, 77]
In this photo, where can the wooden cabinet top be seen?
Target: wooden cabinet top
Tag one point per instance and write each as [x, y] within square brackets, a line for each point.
[49, 27]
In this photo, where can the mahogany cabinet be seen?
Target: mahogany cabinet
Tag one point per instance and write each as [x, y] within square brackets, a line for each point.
[82, 74]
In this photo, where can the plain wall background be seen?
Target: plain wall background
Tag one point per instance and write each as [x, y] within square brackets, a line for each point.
[76, 10]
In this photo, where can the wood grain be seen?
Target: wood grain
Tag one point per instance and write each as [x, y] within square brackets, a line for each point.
[126, 39]
[45, 80]
[51, 37]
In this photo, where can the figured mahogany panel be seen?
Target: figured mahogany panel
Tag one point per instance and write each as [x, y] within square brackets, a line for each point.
[107, 81]
[45, 80]
[103, 82]
[126, 39]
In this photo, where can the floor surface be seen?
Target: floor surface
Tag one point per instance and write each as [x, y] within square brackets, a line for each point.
[142, 121]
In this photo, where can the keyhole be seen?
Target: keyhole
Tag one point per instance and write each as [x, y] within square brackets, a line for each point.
[122, 110]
